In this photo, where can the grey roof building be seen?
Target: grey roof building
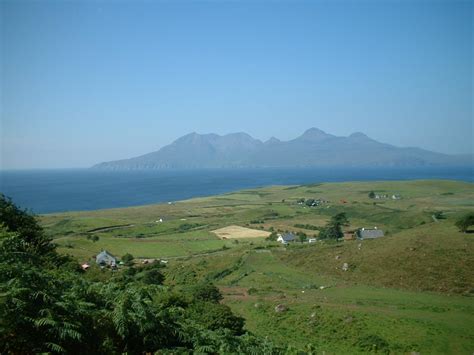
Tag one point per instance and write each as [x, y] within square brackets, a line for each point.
[105, 258]
[370, 233]
[286, 237]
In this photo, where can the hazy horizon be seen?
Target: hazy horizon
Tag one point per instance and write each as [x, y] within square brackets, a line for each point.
[93, 81]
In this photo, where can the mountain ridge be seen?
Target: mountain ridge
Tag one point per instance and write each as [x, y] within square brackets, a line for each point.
[313, 148]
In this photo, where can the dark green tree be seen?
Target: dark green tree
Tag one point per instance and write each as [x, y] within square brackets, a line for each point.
[127, 259]
[206, 292]
[29, 239]
[340, 219]
[465, 222]
[273, 236]
[302, 236]
[333, 229]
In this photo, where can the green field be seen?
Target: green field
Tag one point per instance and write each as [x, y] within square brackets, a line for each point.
[409, 291]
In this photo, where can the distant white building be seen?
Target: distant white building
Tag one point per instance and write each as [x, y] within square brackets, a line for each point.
[312, 240]
[286, 238]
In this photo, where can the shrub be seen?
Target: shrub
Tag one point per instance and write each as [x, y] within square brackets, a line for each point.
[373, 343]
[128, 259]
[465, 222]
[273, 236]
[206, 292]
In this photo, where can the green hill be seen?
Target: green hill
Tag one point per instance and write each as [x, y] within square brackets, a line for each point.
[408, 291]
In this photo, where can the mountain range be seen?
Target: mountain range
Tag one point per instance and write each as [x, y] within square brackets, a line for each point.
[314, 148]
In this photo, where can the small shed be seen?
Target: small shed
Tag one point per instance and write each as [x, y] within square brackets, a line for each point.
[104, 258]
[85, 266]
[349, 235]
[286, 238]
[365, 233]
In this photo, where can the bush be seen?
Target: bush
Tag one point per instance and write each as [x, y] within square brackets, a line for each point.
[216, 316]
[206, 292]
[373, 343]
[273, 236]
[465, 222]
[94, 238]
[152, 277]
[187, 226]
[439, 215]
[128, 259]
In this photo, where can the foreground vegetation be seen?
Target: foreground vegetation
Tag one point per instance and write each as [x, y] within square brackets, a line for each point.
[48, 306]
[409, 291]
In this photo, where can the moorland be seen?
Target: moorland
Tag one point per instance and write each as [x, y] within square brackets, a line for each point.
[409, 291]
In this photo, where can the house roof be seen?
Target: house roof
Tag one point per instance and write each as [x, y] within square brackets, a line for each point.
[288, 237]
[104, 254]
[371, 233]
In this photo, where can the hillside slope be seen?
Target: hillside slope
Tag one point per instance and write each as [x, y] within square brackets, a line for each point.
[434, 257]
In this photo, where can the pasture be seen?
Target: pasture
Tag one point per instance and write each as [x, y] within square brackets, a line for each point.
[411, 290]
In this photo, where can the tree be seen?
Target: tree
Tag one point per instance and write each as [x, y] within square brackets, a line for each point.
[128, 259]
[29, 239]
[340, 218]
[465, 222]
[371, 194]
[273, 236]
[333, 229]
[206, 292]
[309, 202]
[302, 236]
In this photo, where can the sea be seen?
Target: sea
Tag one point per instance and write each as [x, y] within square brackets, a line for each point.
[49, 191]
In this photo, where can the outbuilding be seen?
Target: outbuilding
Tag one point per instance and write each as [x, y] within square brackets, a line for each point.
[365, 233]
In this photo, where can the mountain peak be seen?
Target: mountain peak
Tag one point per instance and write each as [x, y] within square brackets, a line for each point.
[314, 134]
[273, 140]
[358, 135]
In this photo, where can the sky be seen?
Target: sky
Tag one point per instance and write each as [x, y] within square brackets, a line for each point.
[89, 81]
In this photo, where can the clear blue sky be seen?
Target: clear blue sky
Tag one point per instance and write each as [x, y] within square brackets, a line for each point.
[90, 81]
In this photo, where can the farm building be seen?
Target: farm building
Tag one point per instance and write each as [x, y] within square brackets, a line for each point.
[286, 238]
[365, 233]
[85, 266]
[350, 235]
[104, 258]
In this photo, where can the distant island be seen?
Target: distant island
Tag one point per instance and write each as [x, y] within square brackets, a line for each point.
[314, 148]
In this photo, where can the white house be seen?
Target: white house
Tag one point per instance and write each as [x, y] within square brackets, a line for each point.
[105, 258]
[286, 238]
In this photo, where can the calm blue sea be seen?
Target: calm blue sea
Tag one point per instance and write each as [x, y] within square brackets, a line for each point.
[45, 191]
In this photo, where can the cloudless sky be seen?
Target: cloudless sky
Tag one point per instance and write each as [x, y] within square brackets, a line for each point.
[90, 81]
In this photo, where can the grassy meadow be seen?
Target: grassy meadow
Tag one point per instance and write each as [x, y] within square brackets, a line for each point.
[409, 291]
